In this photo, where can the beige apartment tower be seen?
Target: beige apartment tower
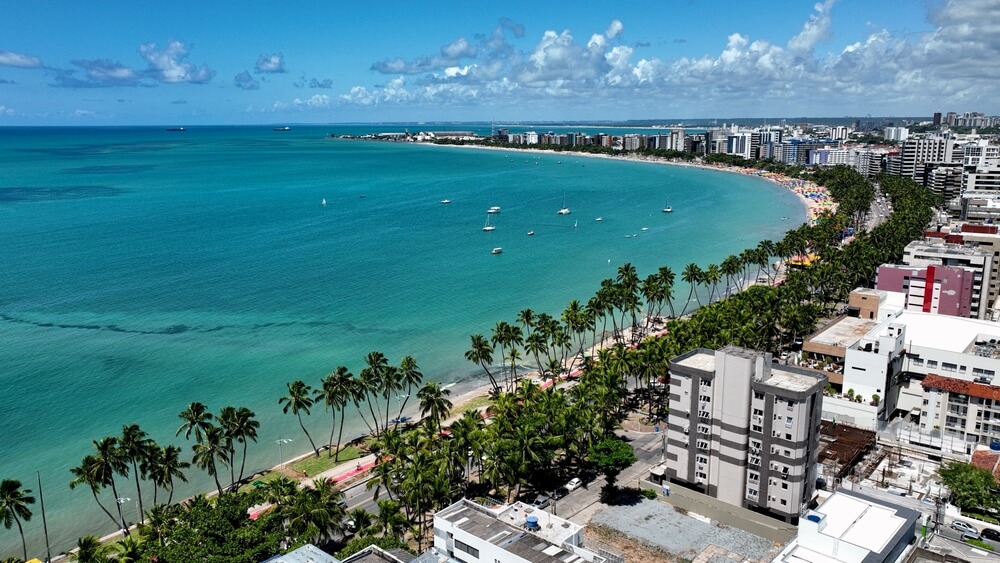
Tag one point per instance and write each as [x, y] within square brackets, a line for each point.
[744, 430]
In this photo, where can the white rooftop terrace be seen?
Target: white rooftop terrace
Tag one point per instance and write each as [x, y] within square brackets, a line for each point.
[944, 332]
[861, 523]
[701, 360]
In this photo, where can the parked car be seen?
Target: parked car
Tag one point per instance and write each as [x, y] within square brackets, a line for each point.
[574, 484]
[541, 501]
[991, 534]
[963, 527]
[966, 536]
[560, 493]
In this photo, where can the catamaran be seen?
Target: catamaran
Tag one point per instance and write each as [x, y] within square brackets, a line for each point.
[487, 226]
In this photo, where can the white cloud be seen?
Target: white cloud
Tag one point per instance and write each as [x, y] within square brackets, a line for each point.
[318, 101]
[168, 65]
[244, 81]
[883, 72]
[4, 110]
[816, 29]
[274, 63]
[19, 60]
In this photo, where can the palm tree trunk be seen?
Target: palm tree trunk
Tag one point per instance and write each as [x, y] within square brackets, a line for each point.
[311, 443]
[155, 489]
[333, 428]
[106, 511]
[371, 431]
[138, 493]
[243, 461]
[374, 418]
[336, 454]
[20, 530]
[215, 474]
[403, 406]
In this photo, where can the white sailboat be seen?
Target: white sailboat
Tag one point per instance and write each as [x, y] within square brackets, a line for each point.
[323, 202]
[488, 226]
[564, 210]
[666, 207]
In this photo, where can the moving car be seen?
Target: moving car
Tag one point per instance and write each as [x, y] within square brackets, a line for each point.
[963, 527]
[541, 501]
[574, 484]
[991, 534]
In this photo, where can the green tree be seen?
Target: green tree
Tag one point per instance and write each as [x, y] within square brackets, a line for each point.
[335, 391]
[196, 419]
[164, 464]
[136, 446]
[91, 472]
[299, 400]
[434, 404]
[89, 549]
[14, 503]
[611, 456]
[210, 451]
[972, 488]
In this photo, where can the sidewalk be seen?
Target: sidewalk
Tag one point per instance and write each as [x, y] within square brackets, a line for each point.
[344, 471]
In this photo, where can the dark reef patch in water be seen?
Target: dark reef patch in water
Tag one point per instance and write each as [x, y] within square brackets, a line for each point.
[110, 169]
[22, 194]
[109, 148]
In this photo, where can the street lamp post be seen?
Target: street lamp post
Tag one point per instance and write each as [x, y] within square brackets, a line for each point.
[121, 516]
[280, 441]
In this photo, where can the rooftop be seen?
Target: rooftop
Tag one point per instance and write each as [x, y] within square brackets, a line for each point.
[843, 333]
[784, 378]
[859, 522]
[960, 386]
[944, 332]
[700, 360]
[504, 526]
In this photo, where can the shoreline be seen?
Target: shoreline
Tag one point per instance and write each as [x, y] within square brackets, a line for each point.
[815, 198]
[477, 387]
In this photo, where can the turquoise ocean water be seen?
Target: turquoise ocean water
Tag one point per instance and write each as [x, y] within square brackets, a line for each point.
[144, 269]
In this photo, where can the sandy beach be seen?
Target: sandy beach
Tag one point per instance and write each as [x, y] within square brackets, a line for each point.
[816, 198]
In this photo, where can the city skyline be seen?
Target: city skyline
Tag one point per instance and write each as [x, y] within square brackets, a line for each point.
[64, 63]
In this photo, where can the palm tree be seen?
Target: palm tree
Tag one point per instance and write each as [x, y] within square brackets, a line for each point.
[361, 521]
[14, 503]
[91, 472]
[391, 521]
[209, 450]
[335, 391]
[111, 461]
[196, 419]
[128, 550]
[482, 353]
[298, 401]
[412, 377]
[165, 465]
[244, 428]
[691, 276]
[227, 421]
[136, 446]
[434, 402]
[89, 549]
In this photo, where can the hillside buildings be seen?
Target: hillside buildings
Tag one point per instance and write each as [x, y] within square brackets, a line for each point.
[744, 430]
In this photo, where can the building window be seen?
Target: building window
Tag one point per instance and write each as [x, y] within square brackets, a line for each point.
[931, 364]
[758, 396]
[945, 366]
[918, 361]
[459, 545]
[788, 436]
[706, 382]
[791, 405]
[756, 428]
[784, 502]
[788, 421]
[784, 486]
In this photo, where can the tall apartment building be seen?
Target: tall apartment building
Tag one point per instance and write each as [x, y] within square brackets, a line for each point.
[932, 289]
[744, 430]
[979, 260]
[895, 133]
[917, 153]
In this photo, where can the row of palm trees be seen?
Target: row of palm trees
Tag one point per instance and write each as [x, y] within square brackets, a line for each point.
[525, 441]
[375, 387]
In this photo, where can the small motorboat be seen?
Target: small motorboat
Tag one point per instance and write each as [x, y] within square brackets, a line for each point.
[446, 201]
[531, 233]
[498, 250]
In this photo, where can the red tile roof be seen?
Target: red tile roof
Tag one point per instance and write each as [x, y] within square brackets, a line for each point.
[952, 385]
[987, 459]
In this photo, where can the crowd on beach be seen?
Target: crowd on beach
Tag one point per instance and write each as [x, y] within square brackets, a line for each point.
[816, 197]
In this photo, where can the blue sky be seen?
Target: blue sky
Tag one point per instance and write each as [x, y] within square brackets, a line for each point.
[223, 62]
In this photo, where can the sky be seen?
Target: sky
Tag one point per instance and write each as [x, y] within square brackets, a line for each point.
[66, 62]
